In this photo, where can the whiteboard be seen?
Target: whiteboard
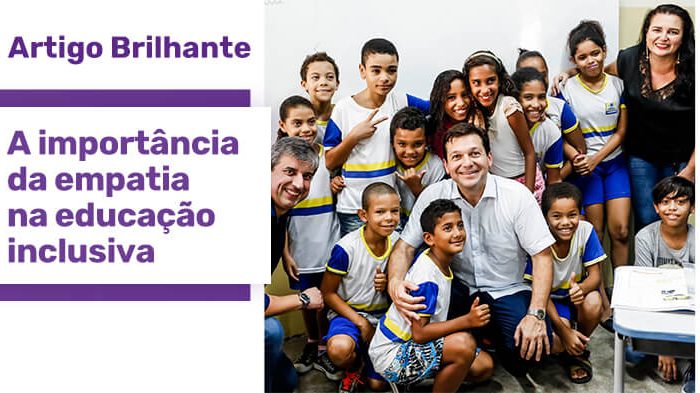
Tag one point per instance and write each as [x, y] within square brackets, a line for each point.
[430, 37]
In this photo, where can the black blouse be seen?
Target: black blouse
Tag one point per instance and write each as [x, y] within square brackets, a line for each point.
[659, 130]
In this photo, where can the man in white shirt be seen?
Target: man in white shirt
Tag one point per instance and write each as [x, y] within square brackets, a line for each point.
[504, 225]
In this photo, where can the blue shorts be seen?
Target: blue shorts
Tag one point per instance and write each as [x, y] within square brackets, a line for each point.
[564, 307]
[506, 314]
[609, 180]
[306, 281]
[342, 325]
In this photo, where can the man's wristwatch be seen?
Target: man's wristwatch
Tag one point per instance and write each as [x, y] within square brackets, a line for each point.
[537, 312]
[305, 300]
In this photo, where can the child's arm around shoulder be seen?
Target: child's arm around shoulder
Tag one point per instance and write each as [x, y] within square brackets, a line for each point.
[517, 122]
[423, 331]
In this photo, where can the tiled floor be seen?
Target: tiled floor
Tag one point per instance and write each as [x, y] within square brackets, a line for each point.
[548, 378]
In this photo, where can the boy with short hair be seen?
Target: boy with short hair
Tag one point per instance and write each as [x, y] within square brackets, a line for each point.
[357, 136]
[407, 353]
[417, 167]
[574, 298]
[320, 78]
[354, 285]
[669, 241]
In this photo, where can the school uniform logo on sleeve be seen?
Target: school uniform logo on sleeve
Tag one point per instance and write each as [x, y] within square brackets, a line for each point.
[610, 108]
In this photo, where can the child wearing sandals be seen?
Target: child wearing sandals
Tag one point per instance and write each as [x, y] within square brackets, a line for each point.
[575, 306]
[407, 353]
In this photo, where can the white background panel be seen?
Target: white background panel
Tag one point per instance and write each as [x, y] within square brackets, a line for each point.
[142, 346]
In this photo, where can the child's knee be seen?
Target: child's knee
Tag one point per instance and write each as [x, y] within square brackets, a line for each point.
[593, 304]
[619, 232]
[461, 346]
[341, 348]
[482, 368]
[376, 385]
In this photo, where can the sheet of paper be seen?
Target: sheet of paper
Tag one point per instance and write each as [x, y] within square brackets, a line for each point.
[652, 289]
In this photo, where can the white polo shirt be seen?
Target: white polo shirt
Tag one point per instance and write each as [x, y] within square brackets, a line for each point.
[503, 228]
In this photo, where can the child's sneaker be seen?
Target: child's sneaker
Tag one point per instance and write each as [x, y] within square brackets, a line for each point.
[306, 360]
[350, 382]
[323, 364]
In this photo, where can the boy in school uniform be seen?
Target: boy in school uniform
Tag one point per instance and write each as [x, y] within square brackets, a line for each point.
[357, 136]
[354, 285]
[575, 305]
[407, 353]
[320, 78]
[417, 167]
[669, 241]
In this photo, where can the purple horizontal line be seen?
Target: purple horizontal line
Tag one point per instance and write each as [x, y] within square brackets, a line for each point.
[124, 98]
[124, 292]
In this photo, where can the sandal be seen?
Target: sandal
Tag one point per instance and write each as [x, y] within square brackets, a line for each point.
[608, 325]
[575, 363]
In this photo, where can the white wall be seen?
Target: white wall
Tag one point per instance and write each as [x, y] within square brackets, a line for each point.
[654, 3]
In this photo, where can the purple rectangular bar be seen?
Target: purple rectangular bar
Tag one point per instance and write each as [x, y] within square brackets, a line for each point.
[124, 98]
[124, 292]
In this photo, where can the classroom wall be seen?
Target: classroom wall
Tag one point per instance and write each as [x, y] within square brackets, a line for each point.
[631, 16]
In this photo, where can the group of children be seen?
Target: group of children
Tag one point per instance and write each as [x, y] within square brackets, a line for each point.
[379, 149]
